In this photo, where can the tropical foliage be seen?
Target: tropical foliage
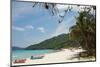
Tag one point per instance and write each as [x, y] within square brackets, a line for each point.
[58, 42]
[85, 30]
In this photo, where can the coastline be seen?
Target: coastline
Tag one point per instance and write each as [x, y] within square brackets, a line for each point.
[65, 55]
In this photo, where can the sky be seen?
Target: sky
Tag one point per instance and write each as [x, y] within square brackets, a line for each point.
[34, 25]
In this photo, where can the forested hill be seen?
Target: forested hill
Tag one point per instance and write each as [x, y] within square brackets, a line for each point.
[58, 42]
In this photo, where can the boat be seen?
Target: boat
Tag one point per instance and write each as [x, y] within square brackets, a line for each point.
[37, 57]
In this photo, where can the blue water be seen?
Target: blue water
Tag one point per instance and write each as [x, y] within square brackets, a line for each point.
[19, 54]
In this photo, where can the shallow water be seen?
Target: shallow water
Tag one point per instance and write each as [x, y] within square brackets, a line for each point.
[19, 54]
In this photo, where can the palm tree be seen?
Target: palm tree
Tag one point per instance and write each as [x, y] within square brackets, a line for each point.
[84, 31]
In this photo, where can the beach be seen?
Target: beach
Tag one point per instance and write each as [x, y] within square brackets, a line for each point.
[64, 55]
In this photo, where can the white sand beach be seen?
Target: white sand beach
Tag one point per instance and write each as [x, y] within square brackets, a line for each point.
[65, 55]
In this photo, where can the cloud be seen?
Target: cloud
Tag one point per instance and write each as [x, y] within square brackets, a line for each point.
[18, 28]
[41, 29]
[62, 7]
[29, 27]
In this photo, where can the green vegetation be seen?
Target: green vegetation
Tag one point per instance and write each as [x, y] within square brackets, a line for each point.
[58, 42]
[85, 31]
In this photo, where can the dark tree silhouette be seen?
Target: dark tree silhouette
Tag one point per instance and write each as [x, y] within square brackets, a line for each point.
[53, 10]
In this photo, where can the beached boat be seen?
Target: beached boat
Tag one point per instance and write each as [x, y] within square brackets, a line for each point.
[37, 57]
[20, 61]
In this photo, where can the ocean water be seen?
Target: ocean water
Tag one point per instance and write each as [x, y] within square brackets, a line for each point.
[21, 54]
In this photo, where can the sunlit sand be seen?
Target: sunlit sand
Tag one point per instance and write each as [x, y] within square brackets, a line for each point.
[65, 55]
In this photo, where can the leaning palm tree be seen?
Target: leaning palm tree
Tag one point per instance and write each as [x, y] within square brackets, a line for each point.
[84, 31]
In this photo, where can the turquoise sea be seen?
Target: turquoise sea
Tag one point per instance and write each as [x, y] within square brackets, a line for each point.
[19, 54]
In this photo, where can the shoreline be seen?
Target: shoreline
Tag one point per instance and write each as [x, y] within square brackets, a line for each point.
[64, 55]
